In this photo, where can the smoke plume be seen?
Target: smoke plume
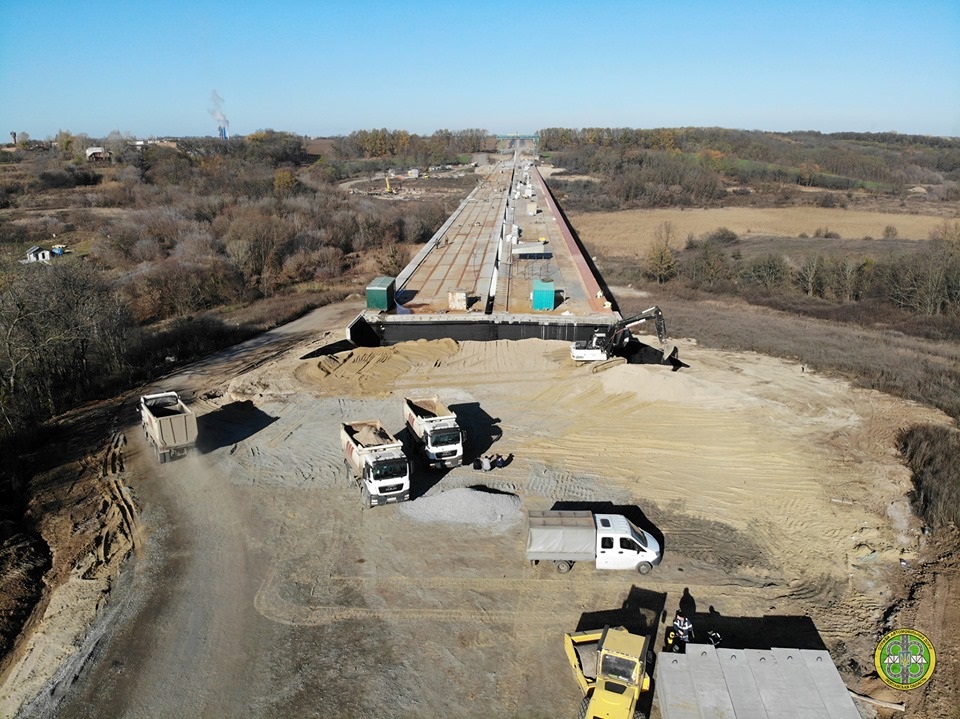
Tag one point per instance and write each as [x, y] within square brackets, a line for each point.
[217, 110]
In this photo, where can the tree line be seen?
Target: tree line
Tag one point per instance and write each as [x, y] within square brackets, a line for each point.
[439, 148]
[924, 282]
[835, 161]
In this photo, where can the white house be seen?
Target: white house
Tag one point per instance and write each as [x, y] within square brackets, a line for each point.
[36, 254]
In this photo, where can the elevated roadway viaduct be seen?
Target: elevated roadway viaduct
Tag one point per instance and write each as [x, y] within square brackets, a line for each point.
[475, 278]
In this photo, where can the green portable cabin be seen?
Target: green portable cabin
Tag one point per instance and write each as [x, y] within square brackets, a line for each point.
[381, 294]
[544, 295]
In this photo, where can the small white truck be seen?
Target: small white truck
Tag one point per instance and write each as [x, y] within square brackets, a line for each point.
[376, 461]
[565, 537]
[168, 424]
[434, 427]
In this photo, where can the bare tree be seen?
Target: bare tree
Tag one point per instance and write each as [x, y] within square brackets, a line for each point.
[60, 327]
[810, 277]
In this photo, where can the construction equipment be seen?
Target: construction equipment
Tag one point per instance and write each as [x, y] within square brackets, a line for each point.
[610, 665]
[567, 536]
[390, 190]
[434, 427]
[168, 424]
[376, 460]
[606, 341]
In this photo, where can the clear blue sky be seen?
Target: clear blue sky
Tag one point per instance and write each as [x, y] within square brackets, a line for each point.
[317, 67]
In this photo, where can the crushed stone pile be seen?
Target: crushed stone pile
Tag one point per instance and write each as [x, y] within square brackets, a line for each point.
[464, 506]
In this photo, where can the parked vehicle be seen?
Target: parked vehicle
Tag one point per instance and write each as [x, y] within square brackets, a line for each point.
[565, 537]
[605, 342]
[168, 424]
[434, 428]
[610, 665]
[376, 461]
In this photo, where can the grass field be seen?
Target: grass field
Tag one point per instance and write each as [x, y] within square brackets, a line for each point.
[632, 231]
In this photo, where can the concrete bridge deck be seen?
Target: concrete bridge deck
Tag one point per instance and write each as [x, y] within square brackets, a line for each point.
[489, 252]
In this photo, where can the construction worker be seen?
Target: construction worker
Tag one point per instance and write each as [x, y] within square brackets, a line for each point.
[683, 627]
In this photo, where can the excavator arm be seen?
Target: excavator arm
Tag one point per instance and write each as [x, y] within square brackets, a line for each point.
[616, 334]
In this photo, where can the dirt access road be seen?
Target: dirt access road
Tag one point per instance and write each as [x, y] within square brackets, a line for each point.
[261, 588]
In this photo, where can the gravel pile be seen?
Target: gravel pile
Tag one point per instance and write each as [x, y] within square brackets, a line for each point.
[464, 506]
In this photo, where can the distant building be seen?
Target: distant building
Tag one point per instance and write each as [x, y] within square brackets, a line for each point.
[37, 254]
[97, 154]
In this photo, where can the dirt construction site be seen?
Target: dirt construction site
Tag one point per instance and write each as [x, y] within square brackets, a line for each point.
[260, 586]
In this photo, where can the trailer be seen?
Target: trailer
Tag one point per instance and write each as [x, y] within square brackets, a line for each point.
[376, 461]
[611, 541]
[168, 424]
[434, 427]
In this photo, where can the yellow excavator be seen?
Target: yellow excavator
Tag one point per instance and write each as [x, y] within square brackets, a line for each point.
[610, 665]
[390, 190]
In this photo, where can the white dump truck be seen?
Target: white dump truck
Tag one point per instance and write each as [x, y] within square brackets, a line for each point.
[565, 537]
[434, 427]
[168, 424]
[376, 461]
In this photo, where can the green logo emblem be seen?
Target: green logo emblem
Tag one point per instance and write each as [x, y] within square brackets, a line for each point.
[905, 659]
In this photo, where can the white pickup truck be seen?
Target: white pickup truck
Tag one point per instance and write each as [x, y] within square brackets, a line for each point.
[565, 537]
[434, 427]
[376, 460]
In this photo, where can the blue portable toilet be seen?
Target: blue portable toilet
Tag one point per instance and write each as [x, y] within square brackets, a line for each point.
[543, 295]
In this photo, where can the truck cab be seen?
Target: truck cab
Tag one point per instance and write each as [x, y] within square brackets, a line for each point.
[443, 445]
[621, 545]
[388, 478]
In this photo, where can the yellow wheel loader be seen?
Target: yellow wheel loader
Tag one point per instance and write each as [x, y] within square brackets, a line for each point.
[610, 665]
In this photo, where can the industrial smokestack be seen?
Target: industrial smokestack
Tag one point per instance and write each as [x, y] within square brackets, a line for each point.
[217, 113]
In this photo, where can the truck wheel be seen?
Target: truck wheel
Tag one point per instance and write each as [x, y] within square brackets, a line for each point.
[582, 714]
[564, 567]
[639, 715]
[644, 567]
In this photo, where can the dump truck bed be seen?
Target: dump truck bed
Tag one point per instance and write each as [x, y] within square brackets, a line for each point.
[561, 535]
[428, 407]
[369, 434]
[168, 419]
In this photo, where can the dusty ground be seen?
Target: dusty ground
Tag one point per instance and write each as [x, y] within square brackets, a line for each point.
[262, 588]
